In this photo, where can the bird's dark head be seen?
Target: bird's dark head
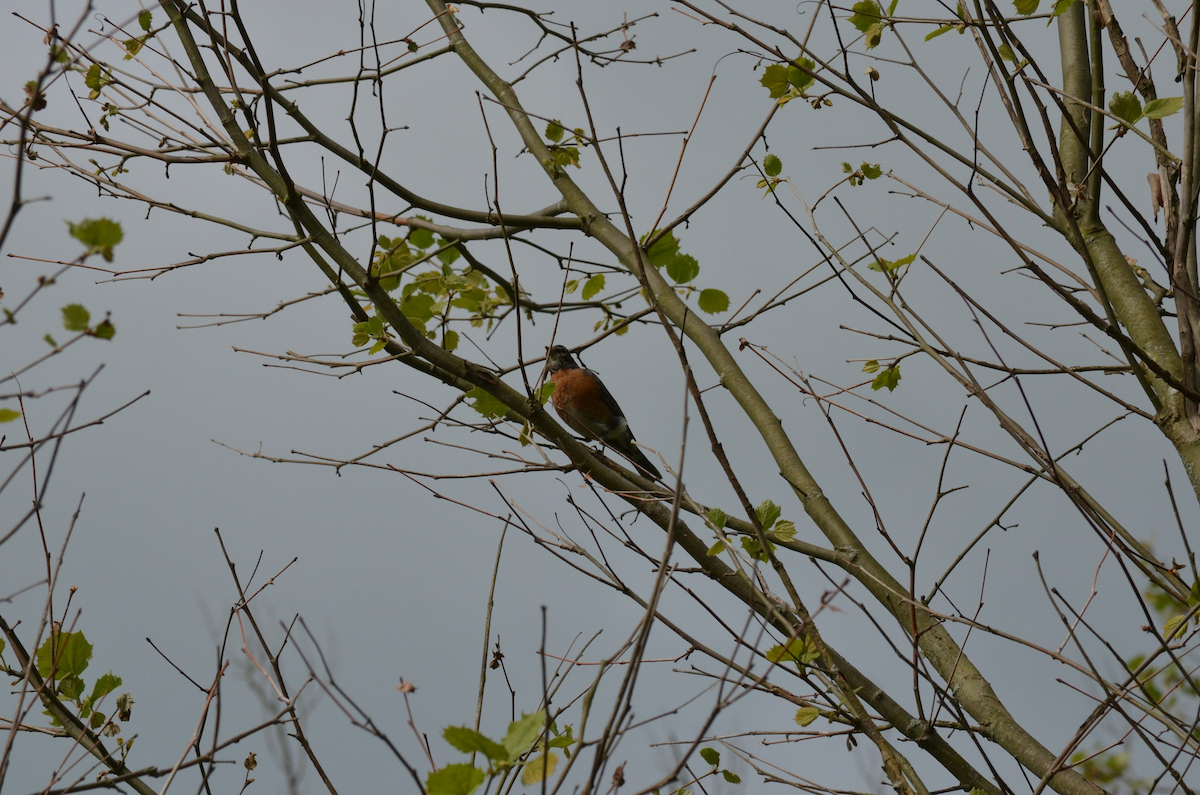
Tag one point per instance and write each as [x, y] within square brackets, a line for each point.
[559, 358]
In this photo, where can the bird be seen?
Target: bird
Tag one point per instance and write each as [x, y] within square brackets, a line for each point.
[587, 406]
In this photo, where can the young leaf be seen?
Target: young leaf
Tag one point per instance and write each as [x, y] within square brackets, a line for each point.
[717, 517]
[1026, 7]
[1161, 108]
[459, 779]
[783, 531]
[775, 80]
[939, 31]
[450, 340]
[871, 171]
[871, 366]
[421, 238]
[731, 777]
[75, 317]
[1126, 106]
[541, 766]
[772, 166]
[806, 715]
[144, 20]
[486, 404]
[664, 250]
[100, 235]
[64, 653]
[716, 549]
[889, 378]
[800, 78]
[867, 14]
[523, 732]
[592, 286]
[547, 390]
[105, 330]
[469, 741]
[8, 415]
[713, 301]
[883, 265]
[683, 269]
[711, 755]
[767, 512]
[1007, 53]
[554, 131]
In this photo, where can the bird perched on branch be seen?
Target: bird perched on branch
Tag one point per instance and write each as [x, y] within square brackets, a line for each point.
[588, 407]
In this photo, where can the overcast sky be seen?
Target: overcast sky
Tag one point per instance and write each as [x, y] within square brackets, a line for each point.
[392, 581]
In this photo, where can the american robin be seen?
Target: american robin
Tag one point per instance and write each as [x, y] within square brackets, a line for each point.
[586, 405]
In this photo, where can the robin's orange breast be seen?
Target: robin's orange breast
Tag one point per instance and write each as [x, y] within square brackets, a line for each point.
[579, 398]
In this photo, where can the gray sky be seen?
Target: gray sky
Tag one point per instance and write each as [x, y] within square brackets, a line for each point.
[392, 581]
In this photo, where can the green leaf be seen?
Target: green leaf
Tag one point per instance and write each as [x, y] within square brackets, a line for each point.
[547, 390]
[871, 171]
[711, 755]
[783, 531]
[1161, 108]
[8, 415]
[75, 317]
[592, 286]
[555, 131]
[683, 269]
[99, 235]
[772, 166]
[460, 779]
[132, 47]
[421, 238]
[887, 266]
[71, 687]
[97, 720]
[450, 340]
[889, 378]
[571, 286]
[1126, 106]
[793, 652]
[144, 20]
[1026, 7]
[664, 250]
[523, 732]
[716, 549]
[469, 741]
[417, 306]
[806, 715]
[871, 366]
[105, 330]
[447, 256]
[566, 156]
[94, 79]
[800, 78]
[939, 31]
[103, 686]
[717, 517]
[775, 80]
[867, 14]
[65, 654]
[1062, 5]
[1007, 54]
[541, 766]
[767, 512]
[713, 301]
[486, 403]
[755, 550]
[731, 777]
[50, 341]
[1175, 628]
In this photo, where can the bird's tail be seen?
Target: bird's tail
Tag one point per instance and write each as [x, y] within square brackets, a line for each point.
[637, 457]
